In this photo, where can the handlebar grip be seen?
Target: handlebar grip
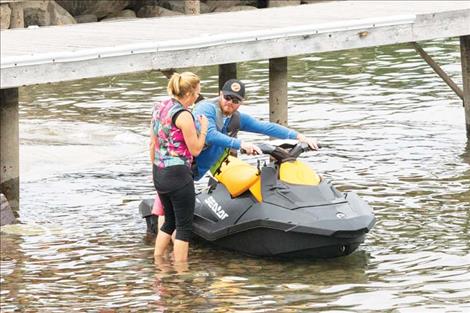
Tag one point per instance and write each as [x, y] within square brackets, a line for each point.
[306, 147]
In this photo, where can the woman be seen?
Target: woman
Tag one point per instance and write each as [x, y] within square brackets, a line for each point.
[176, 143]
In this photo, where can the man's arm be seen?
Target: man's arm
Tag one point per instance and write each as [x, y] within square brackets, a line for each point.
[215, 137]
[250, 124]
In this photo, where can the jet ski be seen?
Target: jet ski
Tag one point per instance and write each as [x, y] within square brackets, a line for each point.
[281, 208]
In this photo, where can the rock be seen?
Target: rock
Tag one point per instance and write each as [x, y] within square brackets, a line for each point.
[86, 18]
[205, 8]
[174, 6]
[124, 14]
[136, 5]
[127, 13]
[100, 8]
[45, 13]
[216, 4]
[156, 11]
[35, 13]
[59, 16]
[6, 213]
[117, 18]
[282, 3]
[253, 3]
[5, 14]
[236, 8]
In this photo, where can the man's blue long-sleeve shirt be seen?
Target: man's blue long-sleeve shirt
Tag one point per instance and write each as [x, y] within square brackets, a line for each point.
[217, 139]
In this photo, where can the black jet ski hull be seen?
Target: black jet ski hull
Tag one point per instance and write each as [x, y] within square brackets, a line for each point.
[333, 224]
[277, 243]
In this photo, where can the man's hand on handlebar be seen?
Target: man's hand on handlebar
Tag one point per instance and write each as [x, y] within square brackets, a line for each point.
[312, 143]
[249, 148]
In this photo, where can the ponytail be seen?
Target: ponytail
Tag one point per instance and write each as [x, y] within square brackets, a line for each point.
[182, 84]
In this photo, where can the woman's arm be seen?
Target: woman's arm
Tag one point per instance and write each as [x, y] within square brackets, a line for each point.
[152, 144]
[194, 142]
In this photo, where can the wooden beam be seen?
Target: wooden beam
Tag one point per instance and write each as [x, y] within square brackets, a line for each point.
[10, 147]
[465, 55]
[169, 72]
[439, 71]
[192, 7]
[226, 72]
[278, 90]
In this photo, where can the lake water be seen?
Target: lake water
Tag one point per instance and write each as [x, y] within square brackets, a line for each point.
[392, 131]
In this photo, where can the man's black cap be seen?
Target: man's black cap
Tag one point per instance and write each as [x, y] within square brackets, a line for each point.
[234, 87]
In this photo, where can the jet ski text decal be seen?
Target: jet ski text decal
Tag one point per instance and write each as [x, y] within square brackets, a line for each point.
[216, 208]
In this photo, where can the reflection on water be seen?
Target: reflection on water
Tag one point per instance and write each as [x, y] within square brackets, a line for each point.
[392, 131]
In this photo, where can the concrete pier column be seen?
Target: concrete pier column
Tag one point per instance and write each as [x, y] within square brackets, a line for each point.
[192, 7]
[465, 55]
[17, 15]
[278, 90]
[10, 147]
[226, 72]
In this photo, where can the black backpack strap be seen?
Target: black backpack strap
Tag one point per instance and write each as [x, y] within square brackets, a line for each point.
[234, 125]
[233, 128]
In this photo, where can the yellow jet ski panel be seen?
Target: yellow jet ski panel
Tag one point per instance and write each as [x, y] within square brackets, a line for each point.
[299, 173]
[237, 175]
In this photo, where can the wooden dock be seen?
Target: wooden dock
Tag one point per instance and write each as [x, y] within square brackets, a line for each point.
[54, 54]
[64, 53]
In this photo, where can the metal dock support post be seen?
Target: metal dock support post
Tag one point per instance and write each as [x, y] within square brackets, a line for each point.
[465, 55]
[278, 90]
[10, 147]
[226, 72]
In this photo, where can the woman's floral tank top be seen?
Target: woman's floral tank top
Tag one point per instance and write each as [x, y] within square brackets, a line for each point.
[170, 147]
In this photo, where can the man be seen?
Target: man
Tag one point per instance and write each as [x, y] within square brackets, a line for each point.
[224, 123]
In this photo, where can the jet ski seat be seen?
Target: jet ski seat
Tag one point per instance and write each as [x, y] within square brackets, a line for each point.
[237, 176]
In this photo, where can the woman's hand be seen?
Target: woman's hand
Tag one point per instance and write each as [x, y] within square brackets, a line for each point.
[204, 123]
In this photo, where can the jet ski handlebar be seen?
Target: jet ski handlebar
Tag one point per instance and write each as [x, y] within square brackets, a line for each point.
[286, 151]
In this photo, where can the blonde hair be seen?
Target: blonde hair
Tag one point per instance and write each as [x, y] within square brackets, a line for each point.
[182, 84]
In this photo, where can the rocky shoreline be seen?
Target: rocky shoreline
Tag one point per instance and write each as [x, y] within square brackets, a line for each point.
[6, 213]
[25, 13]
